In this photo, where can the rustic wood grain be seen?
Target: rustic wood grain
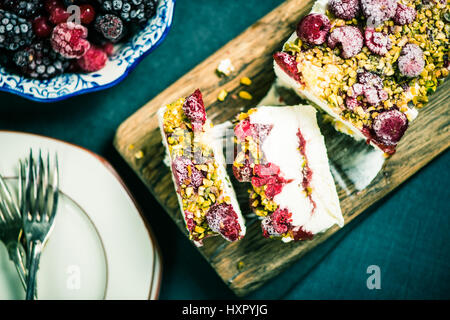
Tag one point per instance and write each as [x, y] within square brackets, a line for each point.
[251, 54]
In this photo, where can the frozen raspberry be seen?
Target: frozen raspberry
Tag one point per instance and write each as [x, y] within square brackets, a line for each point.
[110, 27]
[344, 9]
[349, 37]
[377, 42]
[87, 14]
[288, 63]
[59, 15]
[108, 47]
[378, 11]
[352, 103]
[371, 79]
[269, 169]
[404, 14]
[389, 126]
[314, 28]
[370, 86]
[244, 172]
[194, 109]
[222, 218]
[277, 223]
[186, 173]
[243, 129]
[69, 40]
[273, 189]
[411, 62]
[41, 27]
[94, 60]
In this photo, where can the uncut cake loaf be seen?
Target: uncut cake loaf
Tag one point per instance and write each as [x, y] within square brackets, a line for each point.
[369, 64]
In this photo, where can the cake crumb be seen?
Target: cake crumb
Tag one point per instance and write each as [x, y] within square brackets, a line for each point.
[225, 67]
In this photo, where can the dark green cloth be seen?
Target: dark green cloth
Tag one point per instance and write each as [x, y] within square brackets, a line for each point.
[406, 234]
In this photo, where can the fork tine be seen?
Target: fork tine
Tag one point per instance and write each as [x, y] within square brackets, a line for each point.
[6, 199]
[30, 187]
[55, 187]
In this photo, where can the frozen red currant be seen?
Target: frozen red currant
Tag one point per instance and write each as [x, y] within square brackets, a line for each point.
[87, 14]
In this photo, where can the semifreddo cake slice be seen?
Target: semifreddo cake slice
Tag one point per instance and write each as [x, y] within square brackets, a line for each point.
[281, 151]
[369, 64]
[207, 199]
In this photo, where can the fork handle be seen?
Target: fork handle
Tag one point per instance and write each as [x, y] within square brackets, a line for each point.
[33, 266]
[17, 254]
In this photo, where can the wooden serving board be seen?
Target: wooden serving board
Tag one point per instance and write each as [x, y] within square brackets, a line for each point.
[247, 264]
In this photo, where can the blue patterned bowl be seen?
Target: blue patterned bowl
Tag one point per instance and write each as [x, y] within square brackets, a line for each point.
[126, 58]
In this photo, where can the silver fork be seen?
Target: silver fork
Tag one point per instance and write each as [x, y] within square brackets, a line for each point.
[39, 194]
[11, 228]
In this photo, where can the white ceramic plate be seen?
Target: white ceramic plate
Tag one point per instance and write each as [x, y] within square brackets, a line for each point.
[101, 247]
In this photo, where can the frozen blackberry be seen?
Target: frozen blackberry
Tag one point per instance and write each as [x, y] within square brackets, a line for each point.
[39, 61]
[131, 10]
[24, 8]
[15, 32]
[110, 27]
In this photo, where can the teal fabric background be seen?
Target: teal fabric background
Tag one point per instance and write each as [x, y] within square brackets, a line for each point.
[406, 234]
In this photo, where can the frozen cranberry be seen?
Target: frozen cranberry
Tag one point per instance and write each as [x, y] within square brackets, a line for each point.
[222, 218]
[69, 40]
[378, 11]
[288, 63]
[349, 37]
[377, 42]
[59, 15]
[411, 62]
[194, 109]
[41, 27]
[87, 14]
[186, 173]
[389, 126]
[404, 14]
[344, 9]
[314, 28]
[94, 60]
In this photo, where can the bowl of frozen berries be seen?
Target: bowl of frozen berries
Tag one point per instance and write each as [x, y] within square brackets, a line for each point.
[55, 49]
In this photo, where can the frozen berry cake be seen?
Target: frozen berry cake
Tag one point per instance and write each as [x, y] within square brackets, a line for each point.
[370, 64]
[282, 153]
[207, 200]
